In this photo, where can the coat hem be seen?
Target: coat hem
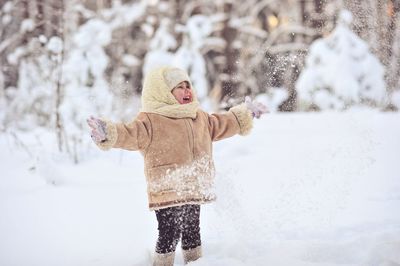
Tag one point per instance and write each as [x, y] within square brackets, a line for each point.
[175, 203]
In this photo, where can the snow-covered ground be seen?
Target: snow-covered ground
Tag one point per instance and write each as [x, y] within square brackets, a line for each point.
[302, 189]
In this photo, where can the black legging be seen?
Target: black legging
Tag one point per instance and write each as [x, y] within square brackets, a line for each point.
[175, 222]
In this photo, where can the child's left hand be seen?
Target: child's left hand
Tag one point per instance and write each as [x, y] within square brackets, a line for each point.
[98, 129]
[256, 108]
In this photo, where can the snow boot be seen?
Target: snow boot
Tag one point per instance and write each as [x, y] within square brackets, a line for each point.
[191, 254]
[166, 259]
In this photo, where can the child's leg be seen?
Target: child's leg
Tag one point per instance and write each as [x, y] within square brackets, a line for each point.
[169, 229]
[191, 242]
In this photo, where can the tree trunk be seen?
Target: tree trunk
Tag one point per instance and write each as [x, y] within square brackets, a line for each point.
[229, 83]
[58, 123]
[393, 41]
[318, 20]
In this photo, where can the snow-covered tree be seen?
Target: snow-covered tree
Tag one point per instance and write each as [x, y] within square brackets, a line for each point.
[341, 72]
[86, 87]
[378, 23]
[159, 53]
[188, 56]
[85, 90]
[32, 104]
[62, 79]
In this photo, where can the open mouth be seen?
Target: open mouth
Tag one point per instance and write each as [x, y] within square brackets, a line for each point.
[186, 99]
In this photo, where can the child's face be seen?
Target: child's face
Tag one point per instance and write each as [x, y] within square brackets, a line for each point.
[183, 93]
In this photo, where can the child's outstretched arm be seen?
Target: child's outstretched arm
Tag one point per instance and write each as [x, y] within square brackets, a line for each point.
[132, 136]
[239, 120]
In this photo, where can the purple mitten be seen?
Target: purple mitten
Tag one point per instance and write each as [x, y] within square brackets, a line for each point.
[98, 129]
[256, 108]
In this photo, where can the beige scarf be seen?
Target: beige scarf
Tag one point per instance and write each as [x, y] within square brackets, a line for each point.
[157, 97]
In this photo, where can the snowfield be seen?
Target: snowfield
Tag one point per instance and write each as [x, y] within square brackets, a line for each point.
[302, 189]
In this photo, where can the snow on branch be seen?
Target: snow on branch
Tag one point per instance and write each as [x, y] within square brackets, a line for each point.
[287, 47]
[254, 31]
[287, 29]
[341, 72]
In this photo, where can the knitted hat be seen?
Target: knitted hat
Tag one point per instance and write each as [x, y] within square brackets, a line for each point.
[173, 76]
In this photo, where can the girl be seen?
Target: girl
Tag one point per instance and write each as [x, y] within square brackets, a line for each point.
[175, 138]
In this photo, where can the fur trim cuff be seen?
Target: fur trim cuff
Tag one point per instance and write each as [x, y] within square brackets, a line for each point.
[112, 136]
[192, 254]
[244, 117]
[166, 259]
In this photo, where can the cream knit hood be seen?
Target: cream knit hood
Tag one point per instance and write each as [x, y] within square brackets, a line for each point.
[157, 97]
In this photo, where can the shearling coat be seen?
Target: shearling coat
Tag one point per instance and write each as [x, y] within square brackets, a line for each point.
[177, 152]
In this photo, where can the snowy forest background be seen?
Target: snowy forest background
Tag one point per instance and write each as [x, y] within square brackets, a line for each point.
[63, 60]
[316, 182]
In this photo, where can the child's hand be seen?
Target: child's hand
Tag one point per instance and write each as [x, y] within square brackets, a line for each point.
[256, 108]
[98, 129]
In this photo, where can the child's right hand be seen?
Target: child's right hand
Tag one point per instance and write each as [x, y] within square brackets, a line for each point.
[98, 129]
[256, 108]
